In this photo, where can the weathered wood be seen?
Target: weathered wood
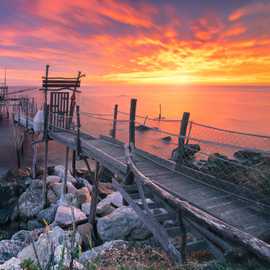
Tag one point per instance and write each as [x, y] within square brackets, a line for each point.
[152, 225]
[132, 117]
[181, 139]
[115, 112]
[95, 193]
[224, 230]
[64, 181]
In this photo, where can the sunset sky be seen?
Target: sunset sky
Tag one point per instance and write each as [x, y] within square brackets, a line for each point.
[136, 41]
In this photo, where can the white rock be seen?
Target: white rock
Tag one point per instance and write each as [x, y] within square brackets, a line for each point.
[38, 121]
[91, 255]
[123, 223]
[114, 199]
[86, 208]
[59, 170]
[11, 264]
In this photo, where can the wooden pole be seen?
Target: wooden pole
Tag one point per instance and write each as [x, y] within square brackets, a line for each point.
[94, 199]
[181, 139]
[115, 112]
[132, 117]
[64, 185]
[159, 116]
[46, 142]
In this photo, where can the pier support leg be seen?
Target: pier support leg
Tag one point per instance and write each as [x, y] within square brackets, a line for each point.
[45, 172]
[74, 163]
[64, 184]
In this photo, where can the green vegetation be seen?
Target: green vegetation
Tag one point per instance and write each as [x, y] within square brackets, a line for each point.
[28, 264]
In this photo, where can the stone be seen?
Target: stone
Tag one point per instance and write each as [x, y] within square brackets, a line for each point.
[62, 253]
[52, 196]
[9, 249]
[64, 216]
[59, 170]
[85, 231]
[30, 203]
[12, 185]
[12, 264]
[52, 179]
[248, 157]
[23, 236]
[47, 214]
[115, 199]
[166, 138]
[52, 238]
[86, 208]
[91, 255]
[57, 189]
[34, 224]
[105, 210]
[105, 189]
[123, 223]
[83, 195]
[71, 200]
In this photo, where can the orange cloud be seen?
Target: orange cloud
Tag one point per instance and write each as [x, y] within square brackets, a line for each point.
[250, 9]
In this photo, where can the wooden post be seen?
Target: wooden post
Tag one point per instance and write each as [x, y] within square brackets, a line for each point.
[46, 148]
[46, 142]
[74, 163]
[159, 116]
[181, 139]
[64, 184]
[115, 112]
[94, 200]
[132, 117]
[26, 112]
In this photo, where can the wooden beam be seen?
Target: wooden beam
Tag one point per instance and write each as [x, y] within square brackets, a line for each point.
[132, 117]
[115, 112]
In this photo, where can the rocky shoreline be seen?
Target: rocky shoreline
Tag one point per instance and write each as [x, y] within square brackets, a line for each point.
[60, 235]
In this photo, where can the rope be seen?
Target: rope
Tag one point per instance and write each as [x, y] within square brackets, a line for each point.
[231, 131]
[151, 118]
[22, 91]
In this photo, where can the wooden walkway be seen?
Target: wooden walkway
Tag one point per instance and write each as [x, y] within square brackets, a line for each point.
[217, 202]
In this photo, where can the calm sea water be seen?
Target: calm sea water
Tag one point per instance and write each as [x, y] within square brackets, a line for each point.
[239, 108]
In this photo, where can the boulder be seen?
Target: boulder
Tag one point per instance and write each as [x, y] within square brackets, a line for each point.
[9, 249]
[12, 264]
[12, 185]
[46, 243]
[83, 195]
[91, 255]
[34, 224]
[52, 196]
[248, 157]
[85, 231]
[47, 214]
[86, 208]
[115, 199]
[71, 200]
[59, 170]
[123, 223]
[57, 189]
[23, 236]
[30, 203]
[64, 216]
[105, 189]
[52, 179]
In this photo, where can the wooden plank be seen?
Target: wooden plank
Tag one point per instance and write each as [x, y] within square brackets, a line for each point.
[152, 225]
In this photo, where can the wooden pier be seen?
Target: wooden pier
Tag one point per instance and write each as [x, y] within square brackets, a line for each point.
[171, 199]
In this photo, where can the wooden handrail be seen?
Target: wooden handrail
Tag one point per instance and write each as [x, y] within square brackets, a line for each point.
[222, 229]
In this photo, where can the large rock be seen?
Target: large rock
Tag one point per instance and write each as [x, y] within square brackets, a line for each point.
[12, 264]
[9, 249]
[115, 199]
[34, 224]
[83, 195]
[91, 255]
[85, 231]
[47, 243]
[53, 179]
[123, 223]
[23, 236]
[59, 170]
[30, 203]
[64, 216]
[86, 208]
[12, 185]
[47, 215]
[57, 189]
